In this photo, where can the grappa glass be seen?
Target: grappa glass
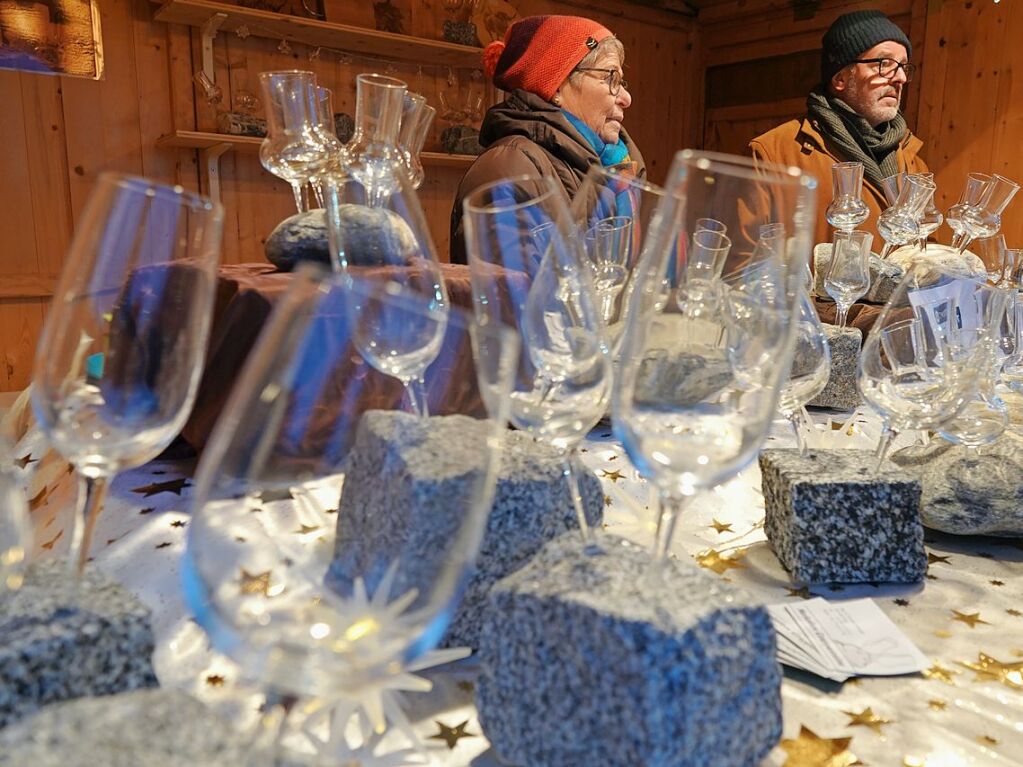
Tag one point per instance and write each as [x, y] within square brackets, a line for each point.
[848, 277]
[847, 209]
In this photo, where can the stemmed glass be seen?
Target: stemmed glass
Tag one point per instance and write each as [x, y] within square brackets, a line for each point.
[15, 531]
[930, 219]
[295, 149]
[900, 223]
[609, 246]
[992, 251]
[374, 154]
[121, 352]
[325, 127]
[811, 367]
[563, 375]
[920, 363]
[847, 209]
[709, 224]
[848, 277]
[985, 218]
[699, 377]
[416, 118]
[368, 519]
[976, 186]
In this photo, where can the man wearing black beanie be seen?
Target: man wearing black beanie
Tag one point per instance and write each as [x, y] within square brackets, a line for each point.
[853, 115]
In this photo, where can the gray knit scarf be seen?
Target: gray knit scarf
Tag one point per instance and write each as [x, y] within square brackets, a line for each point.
[857, 138]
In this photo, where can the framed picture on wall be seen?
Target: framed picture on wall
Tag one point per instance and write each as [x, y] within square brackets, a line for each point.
[59, 37]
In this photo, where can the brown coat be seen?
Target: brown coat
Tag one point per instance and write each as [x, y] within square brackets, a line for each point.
[526, 135]
[798, 143]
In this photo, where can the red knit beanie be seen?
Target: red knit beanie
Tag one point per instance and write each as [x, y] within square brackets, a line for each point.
[539, 52]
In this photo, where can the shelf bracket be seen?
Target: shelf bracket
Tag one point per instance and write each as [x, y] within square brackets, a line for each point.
[210, 160]
[209, 31]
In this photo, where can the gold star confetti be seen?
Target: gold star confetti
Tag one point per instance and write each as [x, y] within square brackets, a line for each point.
[25, 460]
[170, 486]
[939, 672]
[933, 559]
[255, 584]
[937, 704]
[996, 582]
[942, 634]
[987, 740]
[451, 735]
[163, 545]
[901, 602]
[614, 476]
[866, 718]
[970, 619]
[1014, 613]
[987, 669]
[608, 500]
[178, 523]
[713, 560]
[306, 529]
[722, 527]
[49, 544]
[144, 512]
[215, 680]
[803, 592]
[811, 750]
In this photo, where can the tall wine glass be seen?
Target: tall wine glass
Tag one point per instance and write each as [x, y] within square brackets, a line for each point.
[900, 223]
[976, 186]
[374, 155]
[847, 209]
[699, 377]
[295, 149]
[15, 530]
[811, 367]
[564, 370]
[121, 352]
[848, 277]
[916, 369]
[985, 219]
[368, 519]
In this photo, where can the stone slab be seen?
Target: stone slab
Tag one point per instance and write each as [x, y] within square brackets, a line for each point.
[58, 643]
[605, 660]
[830, 518]
[841, 391]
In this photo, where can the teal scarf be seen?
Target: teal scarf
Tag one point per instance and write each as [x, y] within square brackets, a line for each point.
[609, 154]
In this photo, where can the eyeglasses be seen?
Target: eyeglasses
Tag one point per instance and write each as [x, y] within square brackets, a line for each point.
[613, 78]
[888, 67]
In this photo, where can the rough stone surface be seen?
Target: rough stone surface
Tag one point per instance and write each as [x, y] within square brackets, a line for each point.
[831, 519]
[238, 124]
[604, 660]
[144, 728]
[58, 645]
[461, 139]
[374, 237]
[841, 391]
[344, 126]
[406, 486]
[969, 492]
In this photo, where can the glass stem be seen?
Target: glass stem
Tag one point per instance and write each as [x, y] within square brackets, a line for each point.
[673, 503]
[572, 477]
[278, 705]
[299, 190]
[416, 390]
[883, 446]
[842, 312]
[965, 244]
[923, 245]
[886, 250]
[91, 493]
[794, 419]
[318, 194]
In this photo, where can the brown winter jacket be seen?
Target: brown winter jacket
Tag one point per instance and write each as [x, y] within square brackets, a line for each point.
[526, 135]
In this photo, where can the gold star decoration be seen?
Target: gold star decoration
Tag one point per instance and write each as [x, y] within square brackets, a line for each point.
[987, 740]
[25, 460]
[803, 592]
[811, 750]
[306, 529]
[713, 560]
[178, 523]
[451, 735]
[933, 559]
[987, 669]
[255, 584]
[939, 672]
[937, 704]
[722, 527]
[942, 634]
[970, 619]
[614, 476]
[170, 486]
[608, 500]
[996, 582]
[215, 680]
[901, 602]
[49, 544]
[163, 545]
[144, 512]
[866, 718]
[1014, 613]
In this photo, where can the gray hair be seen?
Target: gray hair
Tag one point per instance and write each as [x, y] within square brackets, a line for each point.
[607, 46]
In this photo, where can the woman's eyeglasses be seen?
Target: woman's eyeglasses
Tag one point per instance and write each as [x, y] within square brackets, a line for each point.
[613, 78]
[888, 67]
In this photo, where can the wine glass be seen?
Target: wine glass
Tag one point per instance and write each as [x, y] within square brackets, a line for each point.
[15, 531]
[900, 223]
[811, 368]
[985, 219]
[976, 186]
[699, 377]
[121, 352]
[374, 154]
[563, 375]
[385, 237]
[847, 209]
[295, 148]
[609, 246]
[416, 118]
[327, 130]
[992, 251]
[930, 219]
[917, 369]
[848, 277]
[1012, 277]
[330, 535]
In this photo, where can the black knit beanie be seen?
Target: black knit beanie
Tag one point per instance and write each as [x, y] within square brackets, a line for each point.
[853, 33]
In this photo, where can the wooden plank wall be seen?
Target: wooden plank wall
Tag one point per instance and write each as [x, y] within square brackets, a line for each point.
[59, 133]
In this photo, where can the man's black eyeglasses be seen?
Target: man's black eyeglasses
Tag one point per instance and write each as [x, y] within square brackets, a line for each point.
[888, 67]
[613, 78]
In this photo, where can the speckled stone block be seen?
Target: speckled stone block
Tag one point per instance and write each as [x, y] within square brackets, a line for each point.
[56, 644]
[831, 519]
[406, 486]
[144, 728]
[841, 391]
[600, 660]
[969, 492]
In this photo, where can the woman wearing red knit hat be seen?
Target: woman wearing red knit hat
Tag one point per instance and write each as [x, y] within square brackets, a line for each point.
[563, 112]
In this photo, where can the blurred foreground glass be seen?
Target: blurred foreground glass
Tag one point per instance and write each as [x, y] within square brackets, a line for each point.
[336, 584]
[15, 530]
[416, 118]
[847, 209]
[848, 277]
[811, 368]
[535, 278]
[121, 352]
[699, 377]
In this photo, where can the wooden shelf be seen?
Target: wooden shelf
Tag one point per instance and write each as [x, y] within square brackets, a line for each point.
[356, 40]
[189, 139]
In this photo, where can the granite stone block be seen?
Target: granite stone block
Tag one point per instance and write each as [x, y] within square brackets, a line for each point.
[144, 728]
[56, 644]
[461, 139]
[831, 519]
[841, 391]
[406, 485]
[604, 660]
